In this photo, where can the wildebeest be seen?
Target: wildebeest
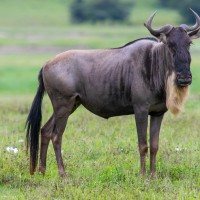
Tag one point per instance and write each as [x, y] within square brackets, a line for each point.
[145, 77]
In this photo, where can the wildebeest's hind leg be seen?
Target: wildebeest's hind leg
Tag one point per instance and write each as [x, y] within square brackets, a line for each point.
[155, 124]
[141, 117]
[63, 107]
[46, 132]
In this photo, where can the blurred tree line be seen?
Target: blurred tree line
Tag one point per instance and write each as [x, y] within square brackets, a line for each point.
[119, 10]
[100, 10]
[183, 6]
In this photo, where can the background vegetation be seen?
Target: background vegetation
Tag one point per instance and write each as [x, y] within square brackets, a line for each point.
[101, 156]
[182, 7]
[100, 10]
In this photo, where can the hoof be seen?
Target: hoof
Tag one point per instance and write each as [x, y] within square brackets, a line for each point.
[42, 170]
[153, 176]
[62, 174]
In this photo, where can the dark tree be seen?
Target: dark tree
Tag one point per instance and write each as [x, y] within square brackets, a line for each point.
[100, 10]
[78, 11]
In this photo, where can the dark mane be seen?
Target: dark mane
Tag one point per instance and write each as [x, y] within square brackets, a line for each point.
[129, 43]
[160, 68]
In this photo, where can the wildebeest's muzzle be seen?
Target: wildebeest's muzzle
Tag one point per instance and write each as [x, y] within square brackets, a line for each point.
[184, 78]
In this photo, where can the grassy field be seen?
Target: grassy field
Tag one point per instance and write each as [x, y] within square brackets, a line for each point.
[101, 156]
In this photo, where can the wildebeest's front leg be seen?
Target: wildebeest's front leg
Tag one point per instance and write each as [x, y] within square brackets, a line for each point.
[155, 124]
[141, 117]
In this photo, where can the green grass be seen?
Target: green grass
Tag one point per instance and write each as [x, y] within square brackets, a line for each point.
[19, 73]
[34, 12]
[101, 157]
[74, 36]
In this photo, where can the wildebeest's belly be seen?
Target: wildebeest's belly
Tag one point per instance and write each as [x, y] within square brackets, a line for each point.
[108, 107]
[116, 109]
[111, 107]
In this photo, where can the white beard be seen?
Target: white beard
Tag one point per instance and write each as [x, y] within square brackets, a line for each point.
[175, 96]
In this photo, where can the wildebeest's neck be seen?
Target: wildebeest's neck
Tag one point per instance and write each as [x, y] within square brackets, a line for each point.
[161, 68]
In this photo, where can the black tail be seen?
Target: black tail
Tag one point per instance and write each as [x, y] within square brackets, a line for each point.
[33, 124]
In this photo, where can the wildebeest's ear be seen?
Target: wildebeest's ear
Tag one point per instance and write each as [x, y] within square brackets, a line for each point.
[195, 34]
[163, 38]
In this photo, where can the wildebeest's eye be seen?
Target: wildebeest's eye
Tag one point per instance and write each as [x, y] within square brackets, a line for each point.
[172, 46]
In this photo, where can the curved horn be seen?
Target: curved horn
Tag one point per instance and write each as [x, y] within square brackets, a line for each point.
[156, 32]
[194, 27]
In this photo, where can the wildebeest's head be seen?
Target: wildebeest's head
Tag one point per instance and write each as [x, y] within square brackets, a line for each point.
[178, 40]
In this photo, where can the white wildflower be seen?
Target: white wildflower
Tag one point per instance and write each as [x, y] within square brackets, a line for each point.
[11, 149]
[178, 149]
[15, 150]
[8, 149]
